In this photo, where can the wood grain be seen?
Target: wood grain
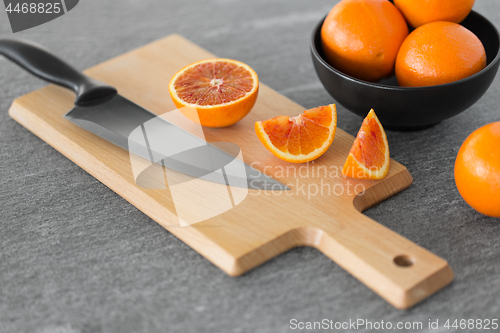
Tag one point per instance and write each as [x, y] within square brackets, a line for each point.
[321, 210]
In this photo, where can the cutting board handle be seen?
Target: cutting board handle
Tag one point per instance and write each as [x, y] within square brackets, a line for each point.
[45, 65]
[394, 267]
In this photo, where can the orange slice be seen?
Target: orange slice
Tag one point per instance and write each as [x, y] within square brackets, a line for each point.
[302, 138]
[369, 155]
[223, 91]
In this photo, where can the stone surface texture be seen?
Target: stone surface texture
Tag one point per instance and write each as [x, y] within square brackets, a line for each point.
[77, 258]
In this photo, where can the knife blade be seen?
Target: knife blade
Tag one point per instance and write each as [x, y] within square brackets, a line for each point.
[101, 110]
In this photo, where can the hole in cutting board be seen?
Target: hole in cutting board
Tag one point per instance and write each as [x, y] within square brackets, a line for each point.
[404, 261]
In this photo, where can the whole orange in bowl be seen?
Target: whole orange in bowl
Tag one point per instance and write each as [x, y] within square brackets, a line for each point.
[420, 12]
[410, 108]
[361, 38]
[477, 170]
[222, 91]
[438, 53]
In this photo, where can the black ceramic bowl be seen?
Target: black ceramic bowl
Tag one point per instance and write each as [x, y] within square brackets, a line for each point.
[407, 108]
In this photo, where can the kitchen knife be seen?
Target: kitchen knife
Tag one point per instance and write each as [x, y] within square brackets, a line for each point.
[101, 110]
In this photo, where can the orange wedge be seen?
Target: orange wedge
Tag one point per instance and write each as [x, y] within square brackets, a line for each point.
[223, 91]
[302, 138]
[369, 155]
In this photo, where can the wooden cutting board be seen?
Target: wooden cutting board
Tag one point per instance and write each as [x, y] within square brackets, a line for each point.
[321, 210]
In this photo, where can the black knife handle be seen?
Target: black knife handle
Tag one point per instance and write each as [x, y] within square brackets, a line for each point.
[45, 65]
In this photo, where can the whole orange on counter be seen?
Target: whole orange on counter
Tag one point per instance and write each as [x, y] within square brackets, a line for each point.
[222, 91]
[439, 53]
[361, 38]
[420, 12]
[477, 170]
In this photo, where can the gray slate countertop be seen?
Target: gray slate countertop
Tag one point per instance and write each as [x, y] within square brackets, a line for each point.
[75, 257]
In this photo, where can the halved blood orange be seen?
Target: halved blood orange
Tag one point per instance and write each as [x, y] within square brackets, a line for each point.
[223, 91]
[369, 155]
[302, 138]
